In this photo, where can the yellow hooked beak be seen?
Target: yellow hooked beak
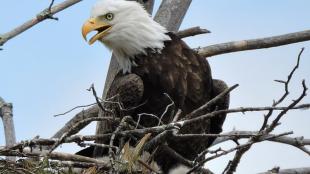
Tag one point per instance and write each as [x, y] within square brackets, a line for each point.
[94, 24]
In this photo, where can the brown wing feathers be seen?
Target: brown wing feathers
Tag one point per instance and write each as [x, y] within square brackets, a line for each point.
[182, 74]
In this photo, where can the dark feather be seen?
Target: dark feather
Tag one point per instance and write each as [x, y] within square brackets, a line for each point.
[186, 77]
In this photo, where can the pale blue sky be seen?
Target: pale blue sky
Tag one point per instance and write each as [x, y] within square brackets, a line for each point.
[47, 69]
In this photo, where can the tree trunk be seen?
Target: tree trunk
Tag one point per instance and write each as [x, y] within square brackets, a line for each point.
[7, 118]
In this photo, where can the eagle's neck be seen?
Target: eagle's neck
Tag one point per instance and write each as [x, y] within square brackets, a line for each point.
[134, 38]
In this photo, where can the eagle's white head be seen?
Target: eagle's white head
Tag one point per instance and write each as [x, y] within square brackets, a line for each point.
[126, 28]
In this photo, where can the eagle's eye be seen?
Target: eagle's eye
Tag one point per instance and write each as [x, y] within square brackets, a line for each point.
[109, 16]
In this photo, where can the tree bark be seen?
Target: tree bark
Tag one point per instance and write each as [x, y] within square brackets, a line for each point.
[171, 13]
[7, 118]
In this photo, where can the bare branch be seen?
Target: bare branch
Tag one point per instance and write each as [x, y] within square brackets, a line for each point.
[76, 128]
[304, 170]
[293, 141]
[252, 44]
[45, 14]
[225, 152]
[211, 102]
[77, 107]
[191, 32]
[166, 109]
[289, 77]
[240, 109]
[53, 155]
[6, 114]
[88, 113]
[241, 151]
[92, 88]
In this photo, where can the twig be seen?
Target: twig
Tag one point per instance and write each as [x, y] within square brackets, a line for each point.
[283, 112]
[234, 163]
[289, 77]
[166, 109]
[206, 151]
[149, 115]
[198, 111]
[88, 113]
[281, 99]
[240, 109]
[224, 152]
[92, 88]
[265, 129]
[77, 107]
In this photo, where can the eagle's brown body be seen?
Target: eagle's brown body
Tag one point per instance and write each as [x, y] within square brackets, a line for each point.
[179, 74]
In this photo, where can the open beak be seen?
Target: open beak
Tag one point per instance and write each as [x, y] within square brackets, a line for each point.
[94, 24]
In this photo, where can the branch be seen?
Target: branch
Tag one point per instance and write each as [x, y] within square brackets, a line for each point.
[289, 77]
[45, 14]
[6, 114]
[225, 152]
[88, 113]
[252, 44]
[240, 109]
[304, 170]
[92, 88]
[293, 141]
[232, 166]
[213, 101]
[53, 155]
[77, 107]
[76, 128]
[191, 32]
[154, 130]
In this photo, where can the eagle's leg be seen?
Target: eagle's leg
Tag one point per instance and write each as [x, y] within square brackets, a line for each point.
[126, 91]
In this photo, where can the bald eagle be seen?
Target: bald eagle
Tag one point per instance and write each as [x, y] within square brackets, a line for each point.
[157, 69]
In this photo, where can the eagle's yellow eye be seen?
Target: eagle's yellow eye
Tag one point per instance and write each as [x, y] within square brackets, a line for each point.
[109, 16]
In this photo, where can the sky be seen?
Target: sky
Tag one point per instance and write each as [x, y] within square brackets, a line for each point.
[47, 69]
